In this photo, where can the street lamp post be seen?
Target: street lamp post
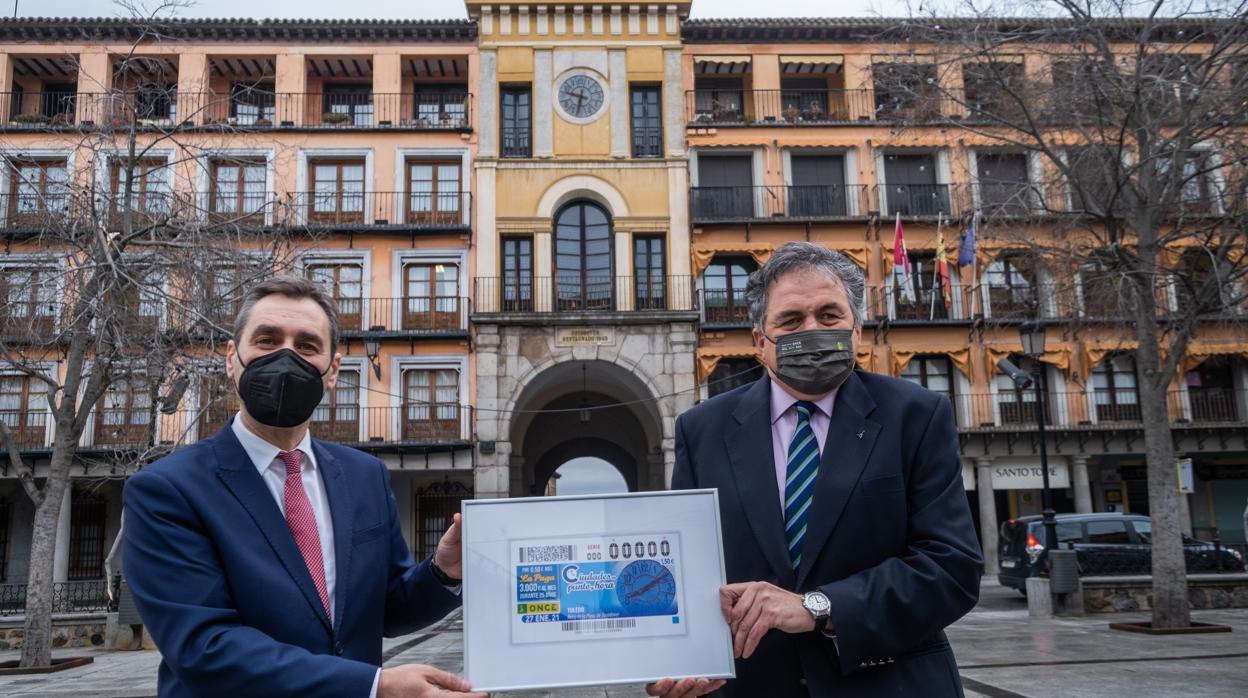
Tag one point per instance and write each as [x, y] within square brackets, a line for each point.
[1032, 336]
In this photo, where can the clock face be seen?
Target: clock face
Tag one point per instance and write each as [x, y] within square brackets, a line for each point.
[581, 96]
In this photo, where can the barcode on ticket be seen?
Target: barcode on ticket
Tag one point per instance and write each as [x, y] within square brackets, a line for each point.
[548, 553]
[593, 626]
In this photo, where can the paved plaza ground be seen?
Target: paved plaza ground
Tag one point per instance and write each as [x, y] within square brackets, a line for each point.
[1002, 653]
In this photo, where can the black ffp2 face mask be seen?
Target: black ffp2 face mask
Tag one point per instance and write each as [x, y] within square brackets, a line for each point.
[814, 362]
[280, 389]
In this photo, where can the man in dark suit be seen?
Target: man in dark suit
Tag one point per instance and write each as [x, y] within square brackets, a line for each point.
[848, 541]
[268, 563]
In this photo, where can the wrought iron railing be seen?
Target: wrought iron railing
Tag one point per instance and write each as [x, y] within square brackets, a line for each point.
[67, 597]
[779, 202]
[582, 293]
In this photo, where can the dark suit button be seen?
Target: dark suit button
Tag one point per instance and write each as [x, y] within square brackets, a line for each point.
[338, 648]
[802, 681]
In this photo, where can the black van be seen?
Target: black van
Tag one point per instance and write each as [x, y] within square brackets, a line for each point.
[1106, 544]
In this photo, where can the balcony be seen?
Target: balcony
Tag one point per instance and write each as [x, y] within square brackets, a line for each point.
[29, 428]
[1206, 407]
[403, 317]
[1004, 200]
[24, 320]
[353, 209]
[576, 294]
[245, 110]
[915, 200]
[722, 106]
[779, 203]
[725, 309]
[919, 305]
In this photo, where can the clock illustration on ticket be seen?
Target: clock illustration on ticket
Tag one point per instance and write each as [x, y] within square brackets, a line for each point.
[601, 587]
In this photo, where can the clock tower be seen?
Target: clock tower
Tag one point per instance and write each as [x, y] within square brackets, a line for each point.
[583, 304]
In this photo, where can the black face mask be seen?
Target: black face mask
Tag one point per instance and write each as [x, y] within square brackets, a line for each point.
[280, 389]
[814, 362]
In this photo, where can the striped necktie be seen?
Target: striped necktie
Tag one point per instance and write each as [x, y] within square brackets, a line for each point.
[799, 484]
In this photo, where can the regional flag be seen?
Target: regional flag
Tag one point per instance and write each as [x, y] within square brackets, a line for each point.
[942, 268]
[901, 265]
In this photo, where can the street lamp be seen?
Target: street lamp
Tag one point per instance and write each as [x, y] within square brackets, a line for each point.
[372, 348]
[1031, 334]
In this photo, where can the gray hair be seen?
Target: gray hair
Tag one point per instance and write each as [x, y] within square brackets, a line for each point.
[295, 288]
[806, 256]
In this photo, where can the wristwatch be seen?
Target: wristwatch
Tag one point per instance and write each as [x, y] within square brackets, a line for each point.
[819, 606]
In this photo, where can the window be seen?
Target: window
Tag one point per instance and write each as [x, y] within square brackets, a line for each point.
[123, 414]
[1077, 87]
[906, 91]
[725, 187]
[804, 100]
[430, 405]
[431, 297]
[1114, 390]
[517, 274]
[1017, 405]
[1100, 289]
[337, 418]
[156, 102]
[253, 105]
[818, 188]
[345, 282]
[148, 184]
[23, 408]
[354, 102]
[1205, 283]
[1092, 186]
[1067, 533]
[144, 302]
[928, 302]
[723, 290]
[38, 191]
[993, 88]
[6, 524]
[88, 513]
[516, 141]
[28, 300]
[223, 295]
[650, 272]
[1211, 390]
[1011, 287]
[647, 115]
[218, 402]
[1002, 183]
[1194, 189]
[931, 372]
[730, 374]
[583, 259]
[338, 192]
[433, 193]
[1107, 533]
[911, 187]
[237, 188]
[442, 106]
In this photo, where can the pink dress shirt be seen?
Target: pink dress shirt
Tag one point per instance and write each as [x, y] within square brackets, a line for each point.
[784, 424]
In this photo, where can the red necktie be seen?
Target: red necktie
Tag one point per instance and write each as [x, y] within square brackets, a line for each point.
[303, 523]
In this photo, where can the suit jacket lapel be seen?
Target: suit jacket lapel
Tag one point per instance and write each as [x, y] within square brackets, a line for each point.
[754, 470]
[337, 489]
[236, 470]
[851, 436]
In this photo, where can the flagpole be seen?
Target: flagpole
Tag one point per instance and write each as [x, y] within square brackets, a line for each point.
[936, 282]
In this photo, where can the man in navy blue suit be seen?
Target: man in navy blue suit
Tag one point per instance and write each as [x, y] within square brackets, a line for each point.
[268, 563]
[847, 536]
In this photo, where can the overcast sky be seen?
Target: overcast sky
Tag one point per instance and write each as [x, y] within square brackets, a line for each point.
[589, 476]
[440, 9]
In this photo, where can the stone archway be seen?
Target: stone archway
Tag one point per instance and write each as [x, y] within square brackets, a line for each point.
[548, 427]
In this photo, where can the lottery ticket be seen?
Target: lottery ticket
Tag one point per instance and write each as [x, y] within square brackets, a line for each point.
[602, 587]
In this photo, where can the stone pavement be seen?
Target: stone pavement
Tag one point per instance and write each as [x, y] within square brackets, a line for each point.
[1002, 653]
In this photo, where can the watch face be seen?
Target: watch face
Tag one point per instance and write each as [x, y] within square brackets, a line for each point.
[817, 603]
[581, 96]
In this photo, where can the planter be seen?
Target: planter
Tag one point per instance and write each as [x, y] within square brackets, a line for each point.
[1146, 628]
[11, 668]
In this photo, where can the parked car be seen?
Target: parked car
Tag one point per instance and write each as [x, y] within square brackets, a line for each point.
[1105, 544]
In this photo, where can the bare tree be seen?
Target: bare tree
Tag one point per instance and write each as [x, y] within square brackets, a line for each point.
[138, 299]
[1131, 117]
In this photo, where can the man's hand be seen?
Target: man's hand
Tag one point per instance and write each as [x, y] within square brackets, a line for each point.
[753, 608]
[420, 681]
[449, 555]
[685, 688]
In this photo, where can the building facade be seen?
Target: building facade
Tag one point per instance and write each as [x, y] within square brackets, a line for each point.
[539, 223]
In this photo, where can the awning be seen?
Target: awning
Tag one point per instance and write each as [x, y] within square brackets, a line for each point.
[709, 357]
[864, 356]
[704, 252]
[856, 254]
[901, 58]
[995, 58]
[960, 355]
[1200, 352]
[721, 65]
[810, 65]
[1094, 352]
[1058, 356]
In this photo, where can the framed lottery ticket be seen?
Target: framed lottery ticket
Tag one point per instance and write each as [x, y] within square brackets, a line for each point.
[589, 590]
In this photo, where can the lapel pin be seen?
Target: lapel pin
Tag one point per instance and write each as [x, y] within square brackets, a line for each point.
[861, 433]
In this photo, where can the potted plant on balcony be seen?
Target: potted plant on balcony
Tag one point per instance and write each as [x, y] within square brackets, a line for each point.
[30, 119]
[791, 114]
[814, 112]
[262, 122]
[335, 118]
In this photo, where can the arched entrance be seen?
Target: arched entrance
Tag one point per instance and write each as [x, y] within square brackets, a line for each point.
[590, 408]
